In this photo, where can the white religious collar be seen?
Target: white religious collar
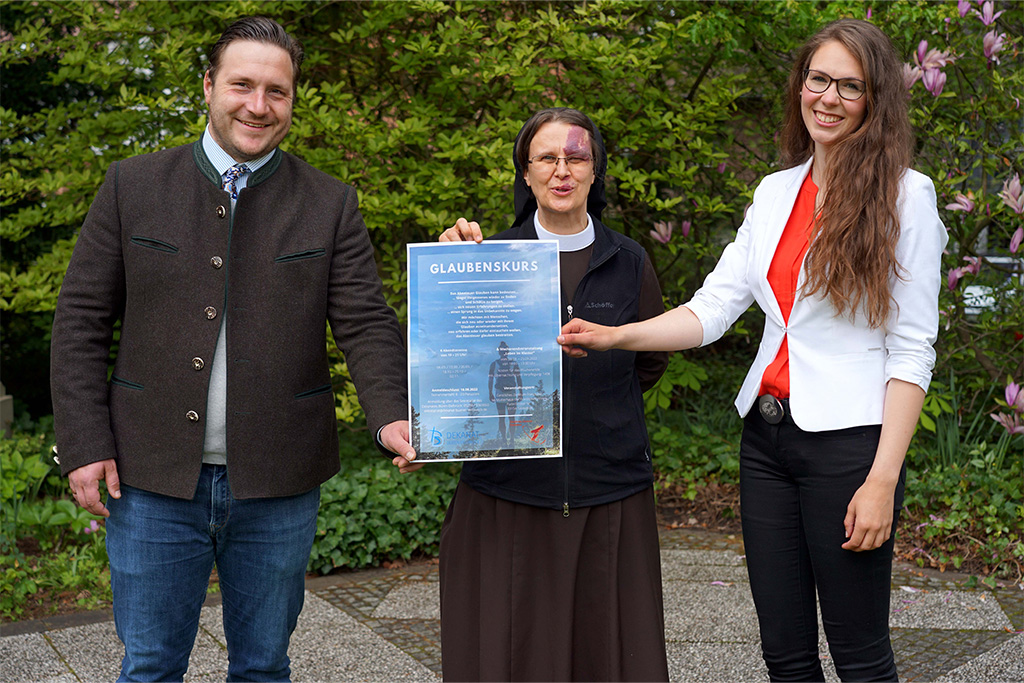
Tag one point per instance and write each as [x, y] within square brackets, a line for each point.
[574, 242]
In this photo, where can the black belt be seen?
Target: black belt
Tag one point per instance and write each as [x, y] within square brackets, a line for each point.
[774, 410]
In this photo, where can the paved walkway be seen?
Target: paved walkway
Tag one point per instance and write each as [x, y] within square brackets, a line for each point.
[382, 625]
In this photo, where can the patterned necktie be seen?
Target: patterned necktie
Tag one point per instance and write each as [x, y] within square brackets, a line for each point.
[231, 175]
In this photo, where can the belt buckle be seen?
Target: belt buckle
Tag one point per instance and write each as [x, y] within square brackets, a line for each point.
[771, 409]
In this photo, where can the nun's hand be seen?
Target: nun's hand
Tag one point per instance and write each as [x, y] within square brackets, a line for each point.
[462, 231]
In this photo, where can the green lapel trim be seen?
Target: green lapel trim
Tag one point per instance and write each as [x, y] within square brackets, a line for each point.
[266, 170]
[203, 163]
[207, 169]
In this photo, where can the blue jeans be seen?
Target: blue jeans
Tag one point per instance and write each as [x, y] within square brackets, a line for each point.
[162, 550]
[794, 490]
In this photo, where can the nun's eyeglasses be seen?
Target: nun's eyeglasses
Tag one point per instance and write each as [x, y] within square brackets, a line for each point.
[547, 163]
[848, 88]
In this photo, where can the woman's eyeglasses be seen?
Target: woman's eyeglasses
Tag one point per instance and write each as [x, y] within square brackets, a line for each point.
[548, 162]
[847, 88]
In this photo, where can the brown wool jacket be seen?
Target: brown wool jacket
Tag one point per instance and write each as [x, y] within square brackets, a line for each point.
[161, 252]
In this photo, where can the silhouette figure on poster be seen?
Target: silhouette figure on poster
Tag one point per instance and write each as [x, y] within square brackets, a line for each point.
[505, 389]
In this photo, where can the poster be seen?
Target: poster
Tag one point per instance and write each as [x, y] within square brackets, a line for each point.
[485, 370]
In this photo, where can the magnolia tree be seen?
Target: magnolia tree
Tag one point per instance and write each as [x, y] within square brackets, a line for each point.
[965, 81]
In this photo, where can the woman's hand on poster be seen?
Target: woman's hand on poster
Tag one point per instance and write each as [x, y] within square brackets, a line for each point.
[578, 335]
[869, 516]
[463, 231]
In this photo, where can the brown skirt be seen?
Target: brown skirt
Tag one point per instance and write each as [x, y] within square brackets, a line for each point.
[530, 595]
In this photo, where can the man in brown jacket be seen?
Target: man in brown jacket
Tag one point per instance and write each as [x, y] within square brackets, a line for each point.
[222, 260]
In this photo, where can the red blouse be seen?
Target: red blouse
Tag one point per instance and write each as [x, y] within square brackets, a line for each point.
[783, 276]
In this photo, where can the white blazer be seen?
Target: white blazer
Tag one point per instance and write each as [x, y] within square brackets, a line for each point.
[838, 369]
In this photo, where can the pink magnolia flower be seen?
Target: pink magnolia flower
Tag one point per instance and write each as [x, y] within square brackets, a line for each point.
[721, 167]
[685, 227]
[1018, 237]
[963, 6]
[911, 75]
[931, 59]
[662, 232]
[973, 265]
[993, 43]
[1011, 194]
[934, 80]
[962, 203]
[1012, 422]
[986, 14]
[952, 277]
[1015, 396]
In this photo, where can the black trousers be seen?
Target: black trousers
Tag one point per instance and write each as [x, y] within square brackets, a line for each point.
[794, 490]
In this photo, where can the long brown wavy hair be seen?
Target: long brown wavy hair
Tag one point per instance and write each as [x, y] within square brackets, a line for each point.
[852, 257]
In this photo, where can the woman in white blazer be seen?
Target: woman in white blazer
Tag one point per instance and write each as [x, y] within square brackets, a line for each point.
[842, 253]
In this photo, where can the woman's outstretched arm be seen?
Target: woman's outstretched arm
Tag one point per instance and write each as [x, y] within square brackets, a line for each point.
[673, 330]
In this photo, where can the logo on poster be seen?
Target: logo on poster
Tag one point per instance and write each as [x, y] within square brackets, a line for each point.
[468, 434]
[436, 438]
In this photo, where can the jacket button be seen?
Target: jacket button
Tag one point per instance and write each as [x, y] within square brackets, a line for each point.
[197, 363]
[192, 416]
[216, 262]
[211, 312]
[221, 212]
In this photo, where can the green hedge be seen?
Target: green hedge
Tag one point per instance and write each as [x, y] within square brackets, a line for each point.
[370, 513]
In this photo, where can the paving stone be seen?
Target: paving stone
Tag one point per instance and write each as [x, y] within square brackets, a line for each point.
[700, 574]
[907, 575]
[698, 539]
[411, 600]
[29, 657]
[702, 558]
[359, 598]
[209, 658]
[383, 625]
[928, 654]
[92, 652]
[1002, 663]
[211, 623]
[715, 662]
[329, 645]
[689, 605]
[419, 638]
[946, 609]
[1012, 602]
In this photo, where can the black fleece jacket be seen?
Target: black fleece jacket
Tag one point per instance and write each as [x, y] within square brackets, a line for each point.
[606, 454]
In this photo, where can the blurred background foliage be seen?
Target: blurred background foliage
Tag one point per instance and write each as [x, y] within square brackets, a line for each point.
[417, 103]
